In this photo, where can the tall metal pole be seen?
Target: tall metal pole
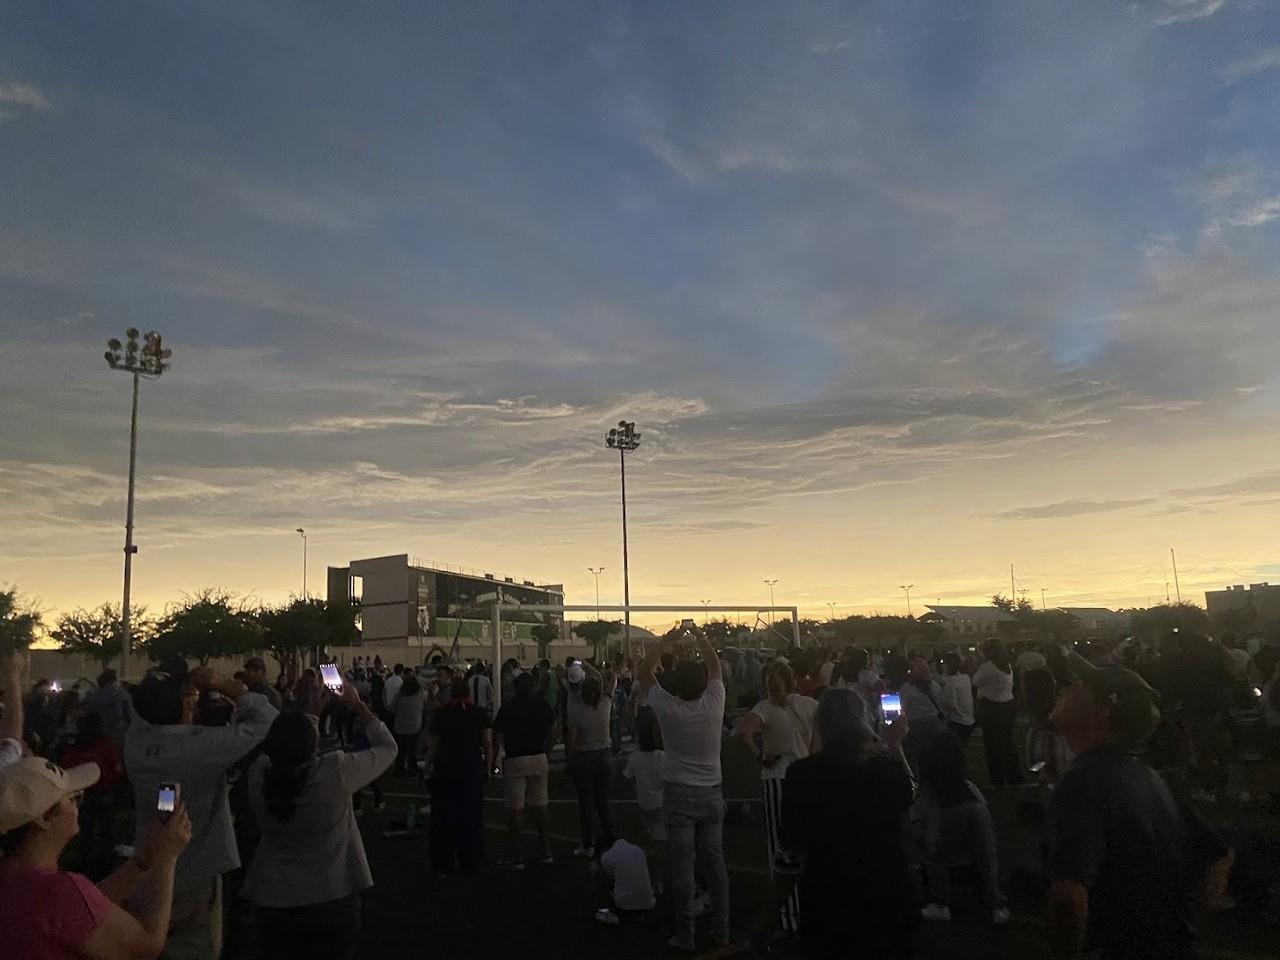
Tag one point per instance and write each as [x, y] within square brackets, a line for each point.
[304, 562]
[595, 572]
[1176, 586]
[907, 588]
[1043, 605]
[626, 567]
[126, 626]
[1013, 590]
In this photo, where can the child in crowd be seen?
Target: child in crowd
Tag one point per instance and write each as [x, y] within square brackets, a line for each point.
[645, 767]
[958, 830]
[627, 869]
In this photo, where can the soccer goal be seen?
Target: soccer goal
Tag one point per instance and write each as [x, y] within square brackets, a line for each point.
[497, 609]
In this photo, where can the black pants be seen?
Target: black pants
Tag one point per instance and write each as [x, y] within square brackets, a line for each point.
[591, 772]
[997, 720]
[962, 731]
[457, 817]
[318, 931]
[407, 755]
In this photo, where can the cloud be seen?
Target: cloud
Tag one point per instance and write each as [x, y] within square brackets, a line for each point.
[1251, 65]
[17, 96]
[1070, 508]
[1169, 12]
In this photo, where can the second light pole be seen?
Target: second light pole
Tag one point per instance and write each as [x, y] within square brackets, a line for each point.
[624, 439]
[595, 572]
[304, 562]
[907, 587]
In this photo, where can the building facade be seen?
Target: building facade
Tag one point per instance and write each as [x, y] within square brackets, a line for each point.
[406, 600]
[1261, 601]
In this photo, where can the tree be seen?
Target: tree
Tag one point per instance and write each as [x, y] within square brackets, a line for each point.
[1155, 623]
[18, 622]
[1043, 625]
[596, 632]
[543, 634]
[288, 632]
[99, 633]
[209, 624]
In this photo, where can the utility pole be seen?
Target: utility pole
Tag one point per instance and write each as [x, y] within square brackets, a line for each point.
[1013, 589]
[831, 604]
[907, 587]
[705, 604]
[304, 562]
[148, 359]
[1176, 586]
[595, 572]
[1043, 606]
[624, 439]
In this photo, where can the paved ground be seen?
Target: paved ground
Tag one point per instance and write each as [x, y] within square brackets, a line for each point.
[547, 910]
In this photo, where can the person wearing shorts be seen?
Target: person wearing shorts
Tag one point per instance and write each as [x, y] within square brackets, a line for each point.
[523, 731]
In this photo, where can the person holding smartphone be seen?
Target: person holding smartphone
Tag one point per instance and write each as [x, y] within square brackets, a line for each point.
[47, 913]
[778, 731]
[310, 869]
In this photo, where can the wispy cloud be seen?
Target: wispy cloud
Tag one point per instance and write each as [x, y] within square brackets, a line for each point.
[18, 96]
[1250, 65]
[1169, 12]
[1070, 508]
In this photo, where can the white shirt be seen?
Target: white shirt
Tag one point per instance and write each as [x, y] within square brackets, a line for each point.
[956, 699]
[391, 689]
[408, 713]
[646, 770]
[10, 752]
[992, 683]
[824, 673]
[690, 734]
[786, 732]
[481, 691]
[1239, 663]
[1030, 660]
[625, 864]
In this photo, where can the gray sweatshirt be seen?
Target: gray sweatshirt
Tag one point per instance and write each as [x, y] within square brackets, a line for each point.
[197, 759]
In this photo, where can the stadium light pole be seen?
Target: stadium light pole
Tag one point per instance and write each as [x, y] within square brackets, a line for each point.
[705, 604]
[770, 584]
[832, 605]
[147, 359]
[907, 587]
[304, 562]
[624, 439]
[595, 572]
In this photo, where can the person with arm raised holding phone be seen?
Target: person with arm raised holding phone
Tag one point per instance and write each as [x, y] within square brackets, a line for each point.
[689, 708]
[310, 870]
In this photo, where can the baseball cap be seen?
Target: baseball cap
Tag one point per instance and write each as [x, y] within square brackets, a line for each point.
[575, 673]
[33, 785]
[255, 663]
[1134, 713]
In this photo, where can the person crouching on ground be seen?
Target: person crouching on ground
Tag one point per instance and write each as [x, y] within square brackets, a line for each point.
[631, 892]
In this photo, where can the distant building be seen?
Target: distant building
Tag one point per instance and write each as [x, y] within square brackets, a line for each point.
[1260, 599]
[408, 600]
[961, 621]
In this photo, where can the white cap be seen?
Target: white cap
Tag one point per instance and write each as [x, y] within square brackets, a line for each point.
[34, 785]
[575, 673]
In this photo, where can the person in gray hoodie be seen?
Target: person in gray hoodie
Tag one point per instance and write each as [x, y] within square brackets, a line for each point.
[167, 743]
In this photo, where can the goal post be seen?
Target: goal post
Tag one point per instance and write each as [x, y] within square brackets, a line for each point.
[497, 608]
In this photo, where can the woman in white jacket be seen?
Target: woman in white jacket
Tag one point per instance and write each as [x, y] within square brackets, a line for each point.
[309, 871]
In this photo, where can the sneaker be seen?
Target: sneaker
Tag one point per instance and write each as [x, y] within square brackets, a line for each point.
[511, 864]
[608, 917]
[701, 904]
[581, 851]
[548, 860]
[675, 943]
[936, 911]
[1000, 915]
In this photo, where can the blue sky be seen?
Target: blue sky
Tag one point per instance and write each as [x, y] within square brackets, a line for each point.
[862, 272]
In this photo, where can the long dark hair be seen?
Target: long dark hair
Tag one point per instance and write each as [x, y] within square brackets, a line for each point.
[995, 650]
[842, 725]
[290, 748]
[943, 772]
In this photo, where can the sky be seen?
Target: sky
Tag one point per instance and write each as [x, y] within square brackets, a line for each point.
[897, 293]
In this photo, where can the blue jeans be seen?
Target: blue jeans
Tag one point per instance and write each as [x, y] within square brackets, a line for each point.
[591, 771]
[694, 818]
[960, 835]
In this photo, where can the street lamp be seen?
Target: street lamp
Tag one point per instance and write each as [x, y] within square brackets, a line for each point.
[304, 562]
[146, 359]
[770, 584]
[832, 605]
[907, 587]
[705, 604]
[595, 572]
[624, 439]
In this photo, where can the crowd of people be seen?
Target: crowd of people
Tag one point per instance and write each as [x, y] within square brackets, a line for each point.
[870, 814]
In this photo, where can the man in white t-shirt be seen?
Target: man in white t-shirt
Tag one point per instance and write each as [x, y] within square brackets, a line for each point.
[625, 864]
[690, 713]
[391, 689]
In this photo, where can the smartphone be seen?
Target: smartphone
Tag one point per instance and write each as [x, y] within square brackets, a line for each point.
[890, 706]
[332, 678]
[167, 800]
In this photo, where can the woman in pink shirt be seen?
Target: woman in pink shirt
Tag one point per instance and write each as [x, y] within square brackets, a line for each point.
[52, 914]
